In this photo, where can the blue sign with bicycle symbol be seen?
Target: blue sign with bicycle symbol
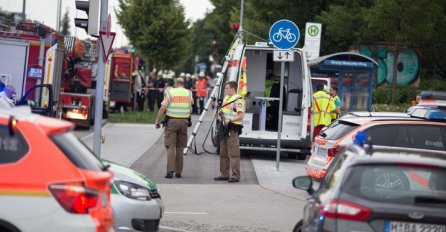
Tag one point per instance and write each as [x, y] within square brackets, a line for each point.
[284, 34]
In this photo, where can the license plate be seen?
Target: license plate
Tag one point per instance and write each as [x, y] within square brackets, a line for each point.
[322, 153]
[412, 227]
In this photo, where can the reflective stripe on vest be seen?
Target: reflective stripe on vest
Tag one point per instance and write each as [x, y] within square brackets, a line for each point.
[179, 103]
[229, 110]
[321, 108]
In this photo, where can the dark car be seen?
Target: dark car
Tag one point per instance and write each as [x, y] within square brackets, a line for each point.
[380, 189]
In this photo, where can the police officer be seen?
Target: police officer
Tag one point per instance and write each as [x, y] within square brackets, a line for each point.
[322, 107]
[177, 106]
[233, 112]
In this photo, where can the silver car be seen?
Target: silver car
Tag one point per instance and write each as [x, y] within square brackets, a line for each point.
[135, 199]
[384, 189]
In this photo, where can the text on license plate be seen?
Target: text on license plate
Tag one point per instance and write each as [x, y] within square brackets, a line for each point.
[412, 227]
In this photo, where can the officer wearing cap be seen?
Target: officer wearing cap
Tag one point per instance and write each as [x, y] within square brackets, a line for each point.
[233, 109]
[177, 107]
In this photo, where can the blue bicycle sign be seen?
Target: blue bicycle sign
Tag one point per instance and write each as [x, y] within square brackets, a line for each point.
[284, 34]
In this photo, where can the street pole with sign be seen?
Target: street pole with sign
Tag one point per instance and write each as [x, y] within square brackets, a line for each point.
[284, 34]
[100, 83]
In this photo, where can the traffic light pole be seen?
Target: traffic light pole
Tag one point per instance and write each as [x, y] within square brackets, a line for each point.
[100, 83]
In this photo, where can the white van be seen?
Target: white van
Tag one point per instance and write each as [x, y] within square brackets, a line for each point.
[260, 124]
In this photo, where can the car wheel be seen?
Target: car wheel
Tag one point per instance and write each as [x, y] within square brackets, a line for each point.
[391, 180]
[298, 226]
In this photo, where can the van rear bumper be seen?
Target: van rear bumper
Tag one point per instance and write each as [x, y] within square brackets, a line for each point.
[301, 144]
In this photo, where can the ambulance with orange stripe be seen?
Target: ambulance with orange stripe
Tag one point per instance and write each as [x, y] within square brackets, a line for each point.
[252, 67]
[49, 181]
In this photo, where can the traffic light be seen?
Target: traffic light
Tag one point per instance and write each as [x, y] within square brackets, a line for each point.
[92, 9]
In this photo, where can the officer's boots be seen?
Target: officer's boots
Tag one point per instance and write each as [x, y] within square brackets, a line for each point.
[169, 175]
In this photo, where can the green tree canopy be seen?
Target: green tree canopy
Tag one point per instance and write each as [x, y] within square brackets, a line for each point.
[157, 29]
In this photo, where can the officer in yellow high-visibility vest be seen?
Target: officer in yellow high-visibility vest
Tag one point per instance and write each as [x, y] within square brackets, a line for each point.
[233, 110]
[177, 106]
[322, 107]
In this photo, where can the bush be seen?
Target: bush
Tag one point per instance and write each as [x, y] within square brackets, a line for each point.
[433, 85]
[404, 94]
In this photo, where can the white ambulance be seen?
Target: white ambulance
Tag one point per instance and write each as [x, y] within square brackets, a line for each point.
[260, 124]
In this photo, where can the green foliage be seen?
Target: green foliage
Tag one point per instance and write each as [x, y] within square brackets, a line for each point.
[65, 24]
[404, 95]
[433, 85]
[133, 117]
[391, 107]
[157, 29]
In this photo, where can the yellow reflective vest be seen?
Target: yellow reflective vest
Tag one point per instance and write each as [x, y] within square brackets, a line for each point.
[229, 110]
[333, 114]
[322, 107]
[179, 102]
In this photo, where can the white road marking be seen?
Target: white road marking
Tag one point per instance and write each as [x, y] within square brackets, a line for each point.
[191, 213]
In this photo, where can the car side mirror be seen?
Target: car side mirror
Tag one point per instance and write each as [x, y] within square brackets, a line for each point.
[304, 183]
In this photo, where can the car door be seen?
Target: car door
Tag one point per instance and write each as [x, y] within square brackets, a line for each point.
[311, 220]
[34, 99]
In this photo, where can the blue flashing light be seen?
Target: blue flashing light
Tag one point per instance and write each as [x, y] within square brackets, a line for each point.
[360, 138]
[429, 113]
[436, 115]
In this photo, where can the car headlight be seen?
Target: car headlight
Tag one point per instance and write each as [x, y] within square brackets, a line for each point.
[133, 191]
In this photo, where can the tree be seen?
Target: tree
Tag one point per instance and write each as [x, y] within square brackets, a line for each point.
[65, 24]
[157, 29]
[400, 23]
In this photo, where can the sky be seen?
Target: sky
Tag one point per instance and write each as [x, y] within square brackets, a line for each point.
[45, 11]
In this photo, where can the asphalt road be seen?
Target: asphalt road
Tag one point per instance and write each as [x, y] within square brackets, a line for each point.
[196, 202]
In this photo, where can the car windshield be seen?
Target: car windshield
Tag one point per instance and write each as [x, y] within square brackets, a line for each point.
[407, 184]
[338, 129]
[77, 152]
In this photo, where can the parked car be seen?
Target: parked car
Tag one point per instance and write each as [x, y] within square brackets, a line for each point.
[382, 189]
[423, 128]
[49, 180]
[136, 201]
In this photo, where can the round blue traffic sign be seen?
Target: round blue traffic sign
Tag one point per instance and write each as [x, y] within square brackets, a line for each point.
[284, 34]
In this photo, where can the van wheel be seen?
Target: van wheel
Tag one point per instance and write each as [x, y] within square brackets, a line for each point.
[298, 226]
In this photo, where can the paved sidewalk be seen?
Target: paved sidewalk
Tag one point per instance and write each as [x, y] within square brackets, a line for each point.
[125, 142]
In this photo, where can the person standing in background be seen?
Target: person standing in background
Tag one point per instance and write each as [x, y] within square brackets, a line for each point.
[202, 91]
[333, 91]
[152, 92]
[322, 106]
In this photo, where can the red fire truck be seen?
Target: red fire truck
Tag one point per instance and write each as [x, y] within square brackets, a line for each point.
[51, 73]
[118, 71]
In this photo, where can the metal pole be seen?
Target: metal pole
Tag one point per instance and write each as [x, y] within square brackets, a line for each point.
[59, 6]
[240, 30]
[279, 130]
[100, 84]
[23, 10]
